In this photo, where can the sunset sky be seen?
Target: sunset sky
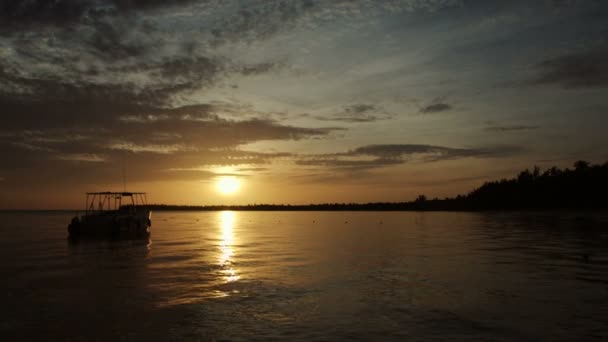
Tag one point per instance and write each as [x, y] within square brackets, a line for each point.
[294, 101]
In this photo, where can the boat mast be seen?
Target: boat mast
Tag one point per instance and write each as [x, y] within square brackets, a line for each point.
[124, 172]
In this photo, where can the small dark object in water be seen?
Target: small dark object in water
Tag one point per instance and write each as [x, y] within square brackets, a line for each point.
[74, 227]
[586, 257]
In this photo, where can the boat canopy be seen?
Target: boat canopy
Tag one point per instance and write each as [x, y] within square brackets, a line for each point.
[116, 193]
[108, 200]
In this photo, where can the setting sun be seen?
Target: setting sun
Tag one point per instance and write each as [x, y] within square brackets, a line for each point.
[228, 185]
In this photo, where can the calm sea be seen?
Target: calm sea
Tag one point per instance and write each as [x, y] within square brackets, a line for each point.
[310, 276]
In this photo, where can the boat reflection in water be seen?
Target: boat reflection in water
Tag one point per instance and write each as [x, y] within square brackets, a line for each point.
[227, 222]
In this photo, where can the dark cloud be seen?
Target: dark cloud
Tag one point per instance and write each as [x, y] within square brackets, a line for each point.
[438, 105]
[361, 112]
[122, 29]
[260, 68]
[35, 168]
[60, 13]
[178, 132]
[510, 128]
[261, 21]
[266, 18]
[435, 152]
[109, 47]
[165, 79]
[348, 164]
[189, 68]
[84, 82]
[575, 70]
[93, 137]
[42, 12]
[128, 45]
[373, 156]
[360, 108]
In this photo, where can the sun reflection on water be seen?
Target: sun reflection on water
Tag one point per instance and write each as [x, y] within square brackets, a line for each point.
[227, 221]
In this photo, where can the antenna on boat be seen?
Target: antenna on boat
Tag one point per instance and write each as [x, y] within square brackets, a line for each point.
[124, 172]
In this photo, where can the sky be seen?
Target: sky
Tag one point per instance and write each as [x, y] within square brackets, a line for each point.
[296, 101]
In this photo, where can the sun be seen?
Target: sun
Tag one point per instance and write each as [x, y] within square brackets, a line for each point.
[228, 185]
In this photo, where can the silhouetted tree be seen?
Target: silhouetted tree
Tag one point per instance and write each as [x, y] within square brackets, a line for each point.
[581, 165]
[420, 199]
[584, 187]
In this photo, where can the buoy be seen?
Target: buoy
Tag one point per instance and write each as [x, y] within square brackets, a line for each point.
[586, 257]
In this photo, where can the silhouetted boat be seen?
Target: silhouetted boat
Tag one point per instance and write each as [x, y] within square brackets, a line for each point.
[106, 216]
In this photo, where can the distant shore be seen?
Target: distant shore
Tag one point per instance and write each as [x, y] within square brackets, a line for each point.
[583, 188]
[347, 207]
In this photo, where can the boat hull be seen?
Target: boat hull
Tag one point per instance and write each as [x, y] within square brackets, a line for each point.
[111, 225]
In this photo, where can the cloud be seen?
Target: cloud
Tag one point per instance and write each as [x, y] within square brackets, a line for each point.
[84, 83]
[150, 51]
[31, 147]
[260, 68]
[354, 164]
[253, 169]
[241, 157]
[582, 69]
[119, 51]
[102, 165]
[26, 13]
[436, 106]
[121, 118]
[435, 152]
[60, 13]
[137, 148]
[82, 157]
[143, 118]
[173, 134]
[214, 170]
[91, 81]
[373, 156]
[510, 128]
[59, 136]
[361, 112]
[151, 82]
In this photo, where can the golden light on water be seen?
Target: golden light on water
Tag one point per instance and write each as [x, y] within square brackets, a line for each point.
[228, 185]
[227, 222]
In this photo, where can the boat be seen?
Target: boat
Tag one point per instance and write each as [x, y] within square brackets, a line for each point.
[106, 216]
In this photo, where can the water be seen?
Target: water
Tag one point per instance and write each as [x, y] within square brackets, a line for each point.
[324, 276]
